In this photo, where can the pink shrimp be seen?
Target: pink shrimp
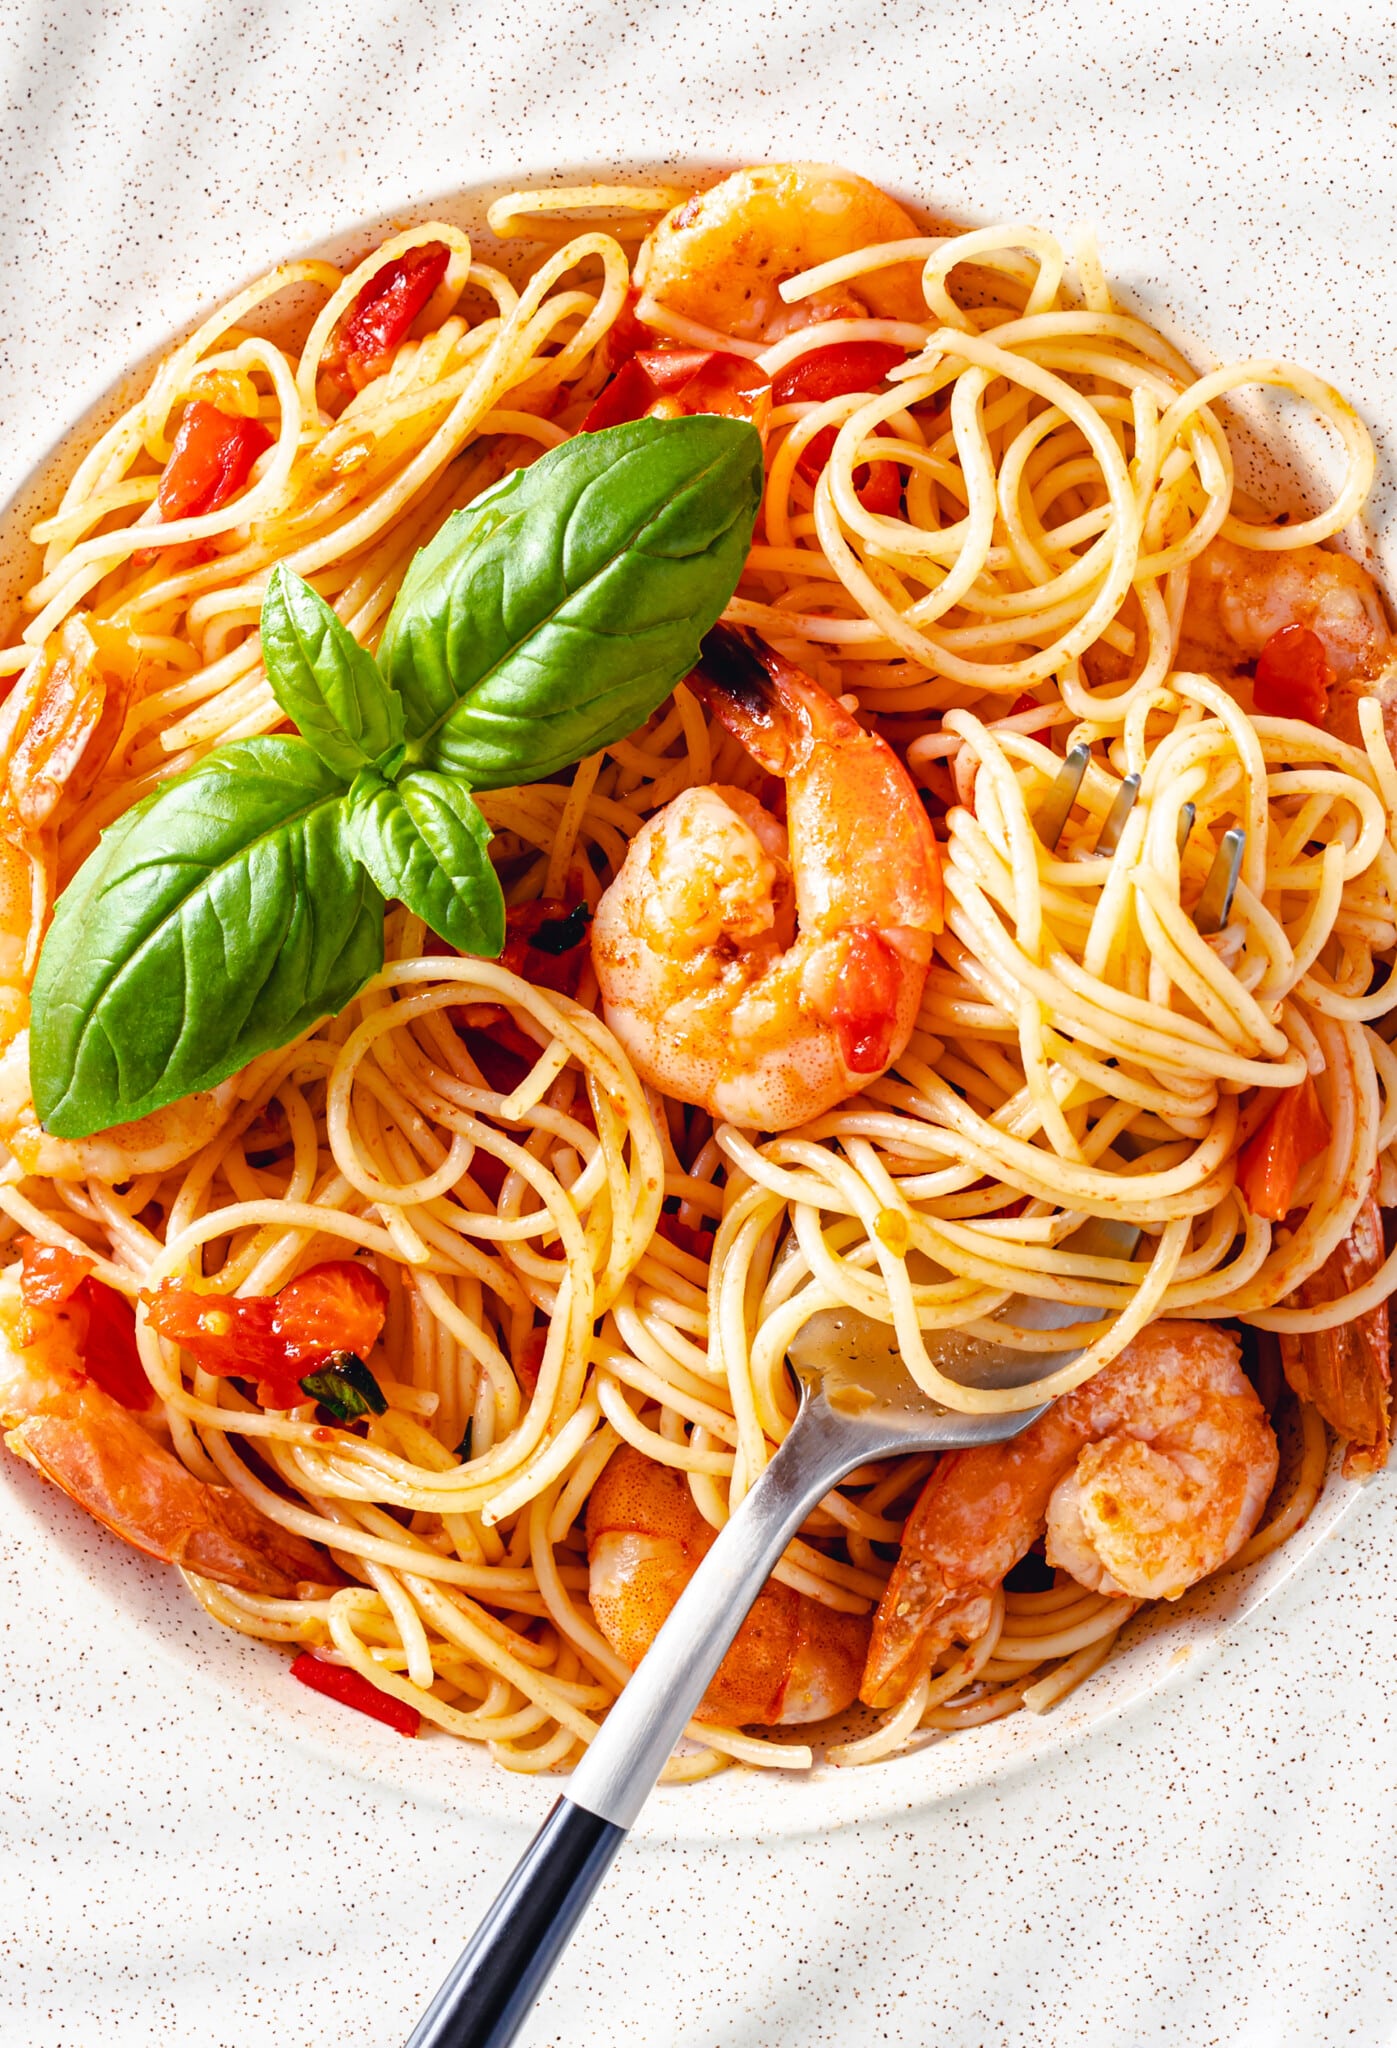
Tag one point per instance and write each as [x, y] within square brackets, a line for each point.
[765, 971]
[109, 1460]
[1147, 1477]
[1239, 597]
[792, 1660]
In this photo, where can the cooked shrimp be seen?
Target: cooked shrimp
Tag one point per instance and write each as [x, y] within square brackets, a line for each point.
[792, 1659]
[1238, 597]
[1146, 1478]
[108, 1460]
[719, 257]
[765, 971]
[58, 729]
[1345, 1372]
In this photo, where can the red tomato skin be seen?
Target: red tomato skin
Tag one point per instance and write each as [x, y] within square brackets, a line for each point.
[628, 396]
[351, 1689]
[49, 1273]
[104, 1323]
[383, 312]
[275, 1339]
[337, 1306]
[835, 371]
[209, 463]
[1293, 676]
[110, 1352]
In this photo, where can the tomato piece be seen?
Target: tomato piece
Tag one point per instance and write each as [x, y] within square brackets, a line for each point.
[110, 1353]
[530, 1359]
[352, 1689]
[338, 1306]
[730, 385]
[382, 313]
[1293, 676]
[104, 1322]
[1270, 1164]
[209, 463]
[49, 1273]
[881, 490]
[675, 382]
[835, 371]
[274, 1339]
[863, 1004]
[1026, 702]
[227, 1334]
[627, 397]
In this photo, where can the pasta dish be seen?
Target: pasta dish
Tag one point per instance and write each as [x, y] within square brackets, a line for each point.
[562, 815]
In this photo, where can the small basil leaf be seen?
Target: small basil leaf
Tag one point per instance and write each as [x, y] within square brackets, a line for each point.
[220, 918]
[425, 842]
[326, 683]
[463, 1449]
[554, 615]
[344, 1385]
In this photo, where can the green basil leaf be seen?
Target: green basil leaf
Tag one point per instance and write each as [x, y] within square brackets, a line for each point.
[326, 683]
[425, 842]
[554, 615]
[219, 919]
[344, 1385]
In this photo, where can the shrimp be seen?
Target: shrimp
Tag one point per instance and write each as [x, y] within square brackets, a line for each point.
[58, 729]
[108, 1460]
[1238, 597]
[767, 972]
[792, 1660]
[1345, 1372]
[718, 258]
[1147, 1477]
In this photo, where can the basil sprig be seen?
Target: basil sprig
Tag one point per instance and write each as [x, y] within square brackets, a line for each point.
[243, 901]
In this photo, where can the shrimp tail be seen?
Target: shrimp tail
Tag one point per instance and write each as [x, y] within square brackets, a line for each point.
[1345, 1373]
[104, 1460]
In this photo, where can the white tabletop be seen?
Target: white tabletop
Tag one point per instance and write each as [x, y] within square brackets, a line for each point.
[1214, 1866]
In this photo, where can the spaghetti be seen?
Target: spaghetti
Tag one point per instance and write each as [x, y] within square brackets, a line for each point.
[574, 1262]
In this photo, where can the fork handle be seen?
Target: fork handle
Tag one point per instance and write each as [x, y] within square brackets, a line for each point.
[487, 1997]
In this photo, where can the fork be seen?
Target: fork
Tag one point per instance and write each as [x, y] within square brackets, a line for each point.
[857, 1402]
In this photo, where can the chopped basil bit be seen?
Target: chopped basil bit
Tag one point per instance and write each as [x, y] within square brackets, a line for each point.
[560, 934]
[346, 1387]
[463, 1449]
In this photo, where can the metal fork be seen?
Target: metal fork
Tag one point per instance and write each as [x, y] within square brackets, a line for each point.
[858, 1402]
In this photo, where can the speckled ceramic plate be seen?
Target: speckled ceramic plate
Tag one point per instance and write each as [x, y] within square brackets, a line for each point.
[1289, 460]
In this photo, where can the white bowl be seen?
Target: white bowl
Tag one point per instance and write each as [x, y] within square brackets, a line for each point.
[1163, 1647]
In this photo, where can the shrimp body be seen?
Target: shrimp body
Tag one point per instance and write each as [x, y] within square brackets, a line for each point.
[58, 729]
[107, 1460]
[768, 971]
[719, 257]
[1238, 597]
[1146, 1478]
[792, 1660]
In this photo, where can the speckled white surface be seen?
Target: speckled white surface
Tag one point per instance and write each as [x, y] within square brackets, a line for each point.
[183, 1857]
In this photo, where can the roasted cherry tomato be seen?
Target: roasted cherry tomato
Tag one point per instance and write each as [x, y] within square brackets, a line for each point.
[1293, 676]
[364, 342]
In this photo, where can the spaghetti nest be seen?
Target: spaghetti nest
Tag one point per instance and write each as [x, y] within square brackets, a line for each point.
[575, 1262]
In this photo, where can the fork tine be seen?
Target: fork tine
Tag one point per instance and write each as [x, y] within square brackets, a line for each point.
[1186, 818]
[1109, 837]
[1214, 906]
[1052, 813]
